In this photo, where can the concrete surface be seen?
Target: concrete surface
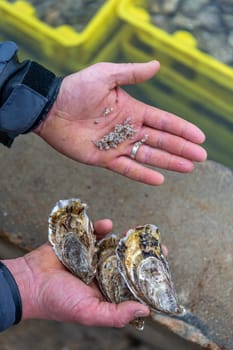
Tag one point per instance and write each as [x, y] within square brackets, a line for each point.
[195, 216]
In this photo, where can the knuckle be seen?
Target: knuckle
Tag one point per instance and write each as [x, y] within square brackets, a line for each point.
[127, 171]
[160, 140]
[119, 323]
[145, 154]
[164, 120]
[170, 162]
[182, 148]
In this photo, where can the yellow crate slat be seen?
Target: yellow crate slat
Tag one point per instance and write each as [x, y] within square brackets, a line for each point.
[179, 53]
[190, 83]
[182, 44]
[62, 45]
[218, 137]
[163, 93]
[110, 51]
[187, 87]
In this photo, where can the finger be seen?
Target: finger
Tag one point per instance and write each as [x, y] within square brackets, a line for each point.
[103, 227]
[171, 123]
[133, 170]
[132, 73]
[162, 159]
[175, 145]
[116, 315]
[165, 250]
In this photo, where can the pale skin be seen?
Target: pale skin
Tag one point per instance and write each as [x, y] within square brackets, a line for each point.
[77, 118]
[49, 291]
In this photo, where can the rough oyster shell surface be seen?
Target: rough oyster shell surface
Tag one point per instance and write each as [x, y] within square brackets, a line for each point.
[145, 269]
[130, 267]
[72, 236]
[111, 282]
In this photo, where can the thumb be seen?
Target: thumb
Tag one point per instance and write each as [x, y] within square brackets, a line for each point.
[132, 73]
[119, 315]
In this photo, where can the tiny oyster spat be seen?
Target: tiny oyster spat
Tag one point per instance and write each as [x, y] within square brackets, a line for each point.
[71, 235]
[145, 269]
[110, 281]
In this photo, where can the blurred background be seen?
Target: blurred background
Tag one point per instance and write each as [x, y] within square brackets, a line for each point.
[192, 40]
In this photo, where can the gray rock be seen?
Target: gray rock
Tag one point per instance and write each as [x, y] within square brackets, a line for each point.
[163, 6]
[209, 19]
[161, 21]
[217, 46]
[226, 6]
[224, 54]
[69, 12]
[230, 38]
[225, 2]
[210, 23]
[192, 8]
[208, 43]
[228, 20]
[183, 22]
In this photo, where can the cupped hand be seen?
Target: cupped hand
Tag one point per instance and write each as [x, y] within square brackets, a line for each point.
[91, 103]
[50, 292]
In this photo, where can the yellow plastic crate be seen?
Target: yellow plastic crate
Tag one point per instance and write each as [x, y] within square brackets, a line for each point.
[61, 48]
[219, 137]
[192, 83]
[191, 67]
[163, 91]
[111, 52]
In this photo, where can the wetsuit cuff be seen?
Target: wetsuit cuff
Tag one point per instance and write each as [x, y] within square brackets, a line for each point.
[10, 299]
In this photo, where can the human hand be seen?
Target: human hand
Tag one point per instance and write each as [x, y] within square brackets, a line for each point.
[90, 104]
[49, 291]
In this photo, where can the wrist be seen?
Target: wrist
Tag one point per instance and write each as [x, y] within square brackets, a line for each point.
[24, 279]
[51, 114]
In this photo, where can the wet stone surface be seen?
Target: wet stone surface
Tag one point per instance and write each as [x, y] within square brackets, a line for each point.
[193, 213]
[210, 22]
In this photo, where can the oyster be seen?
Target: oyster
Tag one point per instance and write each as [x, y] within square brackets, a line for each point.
[110, 281]
[145, 270]
[72, 236]
[130, 267]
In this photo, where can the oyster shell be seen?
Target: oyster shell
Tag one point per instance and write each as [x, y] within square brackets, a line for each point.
[130, 267]
[111, 282]
[145, 269]
[72, 236]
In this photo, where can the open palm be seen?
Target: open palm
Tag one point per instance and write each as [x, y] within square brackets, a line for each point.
[49, 291]
[78, 118]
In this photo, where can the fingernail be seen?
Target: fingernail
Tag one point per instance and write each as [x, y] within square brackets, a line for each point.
[141, 313]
